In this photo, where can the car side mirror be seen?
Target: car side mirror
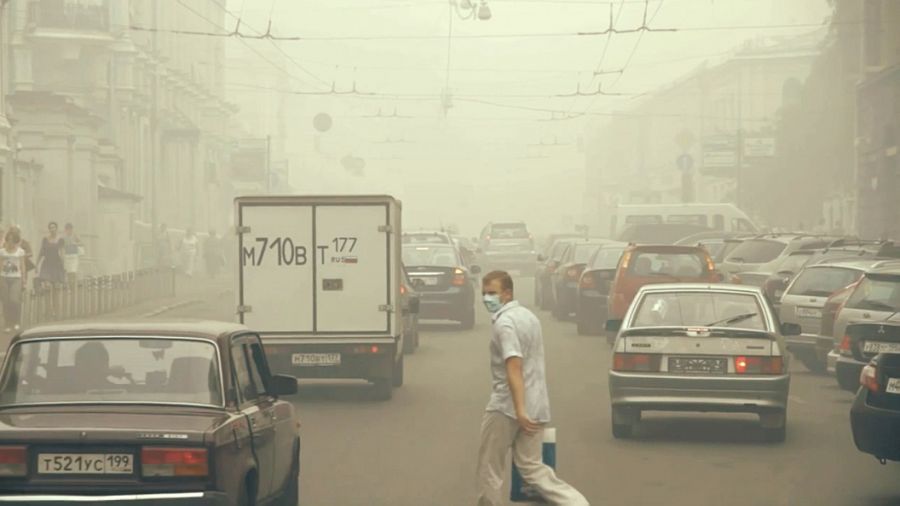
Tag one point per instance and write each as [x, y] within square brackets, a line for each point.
[613, 325]
[282, 384]
[790, 329]
[414, 304]
[541, 258]
[475, 269]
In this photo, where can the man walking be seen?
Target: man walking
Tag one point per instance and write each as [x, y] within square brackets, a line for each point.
[519, 406]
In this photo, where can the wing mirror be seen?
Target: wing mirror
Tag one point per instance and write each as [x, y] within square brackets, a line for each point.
[282, 384]
[613, 325]
[475, 269]
[790, 329]
[541, 258]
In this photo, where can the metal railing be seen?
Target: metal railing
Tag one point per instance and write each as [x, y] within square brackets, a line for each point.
[70, 15]
[95, 296]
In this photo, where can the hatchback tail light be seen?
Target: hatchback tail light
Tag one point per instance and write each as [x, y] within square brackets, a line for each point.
[588, 282]
[174, 462]
[844, 349]
[868, 378]
[636, 362]
[13, 461]
[758, 365]
[459, 278]
[402, 289]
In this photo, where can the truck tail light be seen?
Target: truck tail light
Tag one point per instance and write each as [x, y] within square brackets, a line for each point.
[758, 365]
[174, 462]
[459, 278]
[588, 282]
[13, 461]
[868, 378]
[636, 362]
[844, 349]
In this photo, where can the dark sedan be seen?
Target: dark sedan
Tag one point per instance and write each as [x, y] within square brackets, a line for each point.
[594, 286]
[149, 413]
[564, 280]
[875, 415]
[444, 283]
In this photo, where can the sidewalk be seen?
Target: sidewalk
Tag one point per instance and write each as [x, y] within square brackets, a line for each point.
[188, 291]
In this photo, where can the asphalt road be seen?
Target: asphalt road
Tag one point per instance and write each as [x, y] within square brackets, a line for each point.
[419, 448]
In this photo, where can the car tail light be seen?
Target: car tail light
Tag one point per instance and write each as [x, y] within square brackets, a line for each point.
[13, 461]
[710, 264]
[636, 362]
[736, 280]
[868, 378]
[572, 273]
[459, 278]
[587, 281]
[174, 462]
[844, 349]
[365, 348]
[626, 259]
[758, 365]
[402, 289]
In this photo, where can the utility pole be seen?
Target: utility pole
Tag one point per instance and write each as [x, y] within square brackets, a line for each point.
[268, 164]
[739, 149]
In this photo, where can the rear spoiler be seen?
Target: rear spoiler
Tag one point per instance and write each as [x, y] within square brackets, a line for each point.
[690, 331]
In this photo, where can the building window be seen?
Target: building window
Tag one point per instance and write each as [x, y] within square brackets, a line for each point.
[872, 37]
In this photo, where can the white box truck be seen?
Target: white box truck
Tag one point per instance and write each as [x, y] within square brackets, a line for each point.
[319, 279]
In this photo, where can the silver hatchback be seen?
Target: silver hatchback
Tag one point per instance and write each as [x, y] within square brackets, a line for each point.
[694, 347]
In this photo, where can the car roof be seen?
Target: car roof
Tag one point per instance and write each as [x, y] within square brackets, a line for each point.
[791, 237]
[712, 234]
[867, 263]
[700, 287]
[203, 329]
[666, 248]
[888, 269]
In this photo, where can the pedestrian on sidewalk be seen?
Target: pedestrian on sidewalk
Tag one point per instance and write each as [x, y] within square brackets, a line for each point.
[50, 257]
[213, 254]
[189, 246]
[164, 256]
[519, 406]
[72, 252]
[13, 277]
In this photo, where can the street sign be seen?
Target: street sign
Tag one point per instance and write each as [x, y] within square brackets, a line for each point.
[719, 151]
[685, 162]
[759, 147]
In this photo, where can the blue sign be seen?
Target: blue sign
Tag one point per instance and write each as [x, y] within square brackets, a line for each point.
[685, 162]
[523, 492]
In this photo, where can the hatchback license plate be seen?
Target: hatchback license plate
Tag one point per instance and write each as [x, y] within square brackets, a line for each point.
[698, 365]
[893, 386]
[85, 463]
[808, 312]
[880, 347]
[316, 359]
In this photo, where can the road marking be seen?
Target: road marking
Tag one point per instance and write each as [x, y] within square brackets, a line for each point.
[797, 400]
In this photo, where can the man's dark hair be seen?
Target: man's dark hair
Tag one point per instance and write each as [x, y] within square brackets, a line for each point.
[506, 282]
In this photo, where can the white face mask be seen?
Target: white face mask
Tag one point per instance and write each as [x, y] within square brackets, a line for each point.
[492, 303]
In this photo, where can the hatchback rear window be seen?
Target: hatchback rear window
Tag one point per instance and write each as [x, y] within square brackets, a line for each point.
[607, 258]
[583, 252]
[509, 231]
[876, 293]
[699, 309]
[683, 265]
[823, 281]
[757, 251]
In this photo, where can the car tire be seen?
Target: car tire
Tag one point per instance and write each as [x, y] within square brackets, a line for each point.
[813, 363]
[846, 381]
[778, 433]
[244, 495]
[290, 496]
[468, 320]
[397, 377]
[545, 298]
[623, 430]
[583, 328]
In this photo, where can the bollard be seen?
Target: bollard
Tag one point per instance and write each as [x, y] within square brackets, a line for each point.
[521, 491]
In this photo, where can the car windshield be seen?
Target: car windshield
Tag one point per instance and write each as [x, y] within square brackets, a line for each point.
[757, 251]
[681, 265]
[823, 281]
[509, 231]
[112, 370]
[434, 256]
[607, 258]
[583, 252]
[699, 309]
[876, 293]
[793, 263]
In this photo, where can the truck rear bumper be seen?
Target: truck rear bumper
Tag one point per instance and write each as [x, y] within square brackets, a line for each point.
[362, 359]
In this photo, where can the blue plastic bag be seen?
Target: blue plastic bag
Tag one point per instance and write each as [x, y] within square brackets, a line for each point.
[521, 491]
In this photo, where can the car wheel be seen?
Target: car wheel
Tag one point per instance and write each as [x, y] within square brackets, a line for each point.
[468, 321]
[383, 388]
[245, 494]
[846, 381]
[774, 427]
[623, 422]
[398, 373]
[813, 363]
[545, 297]
[776, 435]
[409, 344]
[290, 496]
[583, 328]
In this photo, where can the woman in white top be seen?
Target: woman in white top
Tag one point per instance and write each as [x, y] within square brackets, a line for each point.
[189, 247]
[13, 278]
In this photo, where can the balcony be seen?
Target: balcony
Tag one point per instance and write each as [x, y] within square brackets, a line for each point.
[69, 17]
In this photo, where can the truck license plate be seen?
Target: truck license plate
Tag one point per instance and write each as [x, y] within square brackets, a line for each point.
[85, 463]
[316, 359]
[893, 386]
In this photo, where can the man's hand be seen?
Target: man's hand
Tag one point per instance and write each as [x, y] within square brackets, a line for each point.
[527, 425]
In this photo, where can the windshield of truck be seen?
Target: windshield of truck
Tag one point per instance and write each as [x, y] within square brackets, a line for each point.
[434, 256]
[823, 281]
[112, 370]
[756, 251]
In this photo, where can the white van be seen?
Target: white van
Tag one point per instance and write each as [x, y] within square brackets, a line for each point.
[724, 217]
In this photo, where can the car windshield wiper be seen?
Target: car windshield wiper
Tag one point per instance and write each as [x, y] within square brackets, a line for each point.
[733, 319]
